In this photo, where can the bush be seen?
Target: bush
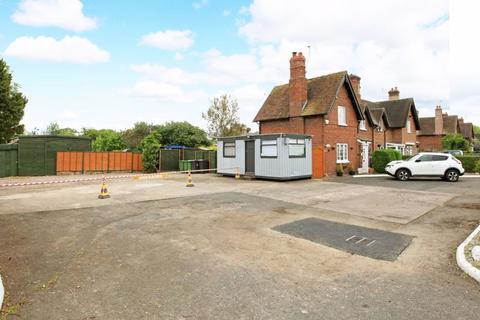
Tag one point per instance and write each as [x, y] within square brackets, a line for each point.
[150, 146]
[455, 142]
[477, 167]
[469, 163]
[380, 158]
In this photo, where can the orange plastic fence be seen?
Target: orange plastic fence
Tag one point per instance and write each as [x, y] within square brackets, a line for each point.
[98, 161]
[318, 162]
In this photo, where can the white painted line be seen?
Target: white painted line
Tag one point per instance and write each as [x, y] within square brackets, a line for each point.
[350, 238]
[370, 175]
[2, 292]
[370, 243]
[462, 260]
[360, 240]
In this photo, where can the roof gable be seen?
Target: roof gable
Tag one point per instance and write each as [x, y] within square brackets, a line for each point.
[321, 95]
[397, 112]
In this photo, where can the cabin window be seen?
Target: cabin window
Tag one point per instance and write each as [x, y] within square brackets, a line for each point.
[296, 148]
[342, 153]
[342, 116]
[229, 149]
[268, 148]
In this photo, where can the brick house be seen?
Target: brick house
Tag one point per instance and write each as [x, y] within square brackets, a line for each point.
[466, 129]
[395, 123]
[435, 128]
[325, 107]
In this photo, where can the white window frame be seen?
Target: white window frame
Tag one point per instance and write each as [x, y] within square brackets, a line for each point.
[342, 153]
[230, 145]
[409, 126]
[342, 116]
[268, 143]
[362, 125]
[296, 142]
[381, 126]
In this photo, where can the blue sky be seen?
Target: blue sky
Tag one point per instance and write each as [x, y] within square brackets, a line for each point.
[87, 63]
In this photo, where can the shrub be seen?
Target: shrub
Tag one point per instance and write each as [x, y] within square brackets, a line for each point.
[469, 163]
[380, 158]
[150, 146]
[477, 167]
[455, 142]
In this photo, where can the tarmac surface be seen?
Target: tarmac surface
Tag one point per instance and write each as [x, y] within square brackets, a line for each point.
[158, 250]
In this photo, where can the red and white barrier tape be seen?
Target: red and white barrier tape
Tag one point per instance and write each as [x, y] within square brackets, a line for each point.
[100, 177]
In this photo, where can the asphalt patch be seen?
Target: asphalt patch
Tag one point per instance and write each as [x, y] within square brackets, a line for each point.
[368, 242]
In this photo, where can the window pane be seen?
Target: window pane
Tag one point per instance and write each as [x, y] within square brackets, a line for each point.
[269, 142]
[229, 149]
[269, 151]
[426, 157]
[439, 158]
[297, 150]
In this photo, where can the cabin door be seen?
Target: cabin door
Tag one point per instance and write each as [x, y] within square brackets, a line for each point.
[250, 157]
[364, 158]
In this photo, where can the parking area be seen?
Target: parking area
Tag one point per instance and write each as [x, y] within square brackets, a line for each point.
[230, 249]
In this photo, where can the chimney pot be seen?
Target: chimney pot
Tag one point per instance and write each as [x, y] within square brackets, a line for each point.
[438, 120]
[297, 87]
[294, 53]
[393, 94]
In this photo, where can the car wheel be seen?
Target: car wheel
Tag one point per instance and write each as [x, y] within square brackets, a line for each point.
[452, 175]
[402, 175]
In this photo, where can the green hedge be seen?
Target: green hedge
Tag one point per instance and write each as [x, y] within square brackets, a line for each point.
[380, 158]
[469, 162]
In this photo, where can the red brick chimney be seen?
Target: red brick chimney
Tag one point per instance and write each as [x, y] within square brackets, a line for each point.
[297, 87]
[393, 94]
[355, 80]
[438, 120]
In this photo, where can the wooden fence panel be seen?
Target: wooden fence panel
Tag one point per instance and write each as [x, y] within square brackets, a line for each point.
[98, 162]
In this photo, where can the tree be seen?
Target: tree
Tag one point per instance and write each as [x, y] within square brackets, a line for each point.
[150, 145]
[181, 133]
[135, 135]
[222, 118]
[476, 131]
[54, 129]
[109, 140]
[455, 142]
[12, 105]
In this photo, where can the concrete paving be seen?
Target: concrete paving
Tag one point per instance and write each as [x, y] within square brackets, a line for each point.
[158, 250]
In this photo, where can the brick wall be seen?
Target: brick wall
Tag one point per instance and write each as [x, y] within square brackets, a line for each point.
[322, 133]
[338, 134]
[430, 143]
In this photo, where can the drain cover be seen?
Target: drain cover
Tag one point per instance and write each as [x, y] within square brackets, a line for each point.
[373, 243]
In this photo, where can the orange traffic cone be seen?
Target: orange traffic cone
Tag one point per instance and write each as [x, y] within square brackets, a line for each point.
[103, 191]
[189, 180]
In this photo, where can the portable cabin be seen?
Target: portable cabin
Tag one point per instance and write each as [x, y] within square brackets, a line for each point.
[266, 156]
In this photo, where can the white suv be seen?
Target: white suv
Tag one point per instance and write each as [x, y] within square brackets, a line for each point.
[441, 165]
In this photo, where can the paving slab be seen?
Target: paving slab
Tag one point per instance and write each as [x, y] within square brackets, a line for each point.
[373, 243]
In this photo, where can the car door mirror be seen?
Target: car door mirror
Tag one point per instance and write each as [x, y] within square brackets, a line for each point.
[418, 160]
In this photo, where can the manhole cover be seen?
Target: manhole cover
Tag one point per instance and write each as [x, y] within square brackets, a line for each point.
[373, 243]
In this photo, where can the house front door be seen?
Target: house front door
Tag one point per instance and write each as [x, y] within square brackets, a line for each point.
[364, 158]
[250, 157]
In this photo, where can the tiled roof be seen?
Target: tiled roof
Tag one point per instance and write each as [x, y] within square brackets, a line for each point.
[450, 125]
[397, 112]
[321, 94]
[428, 126]
[467, 130]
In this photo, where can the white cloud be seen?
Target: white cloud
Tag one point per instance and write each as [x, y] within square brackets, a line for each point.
[165, 92]
[226, 13]
[70, 49]
[388, 43]
[65, 14]
[171, 40]
[199, 4]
